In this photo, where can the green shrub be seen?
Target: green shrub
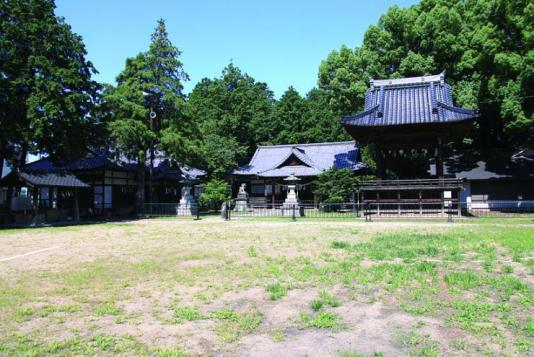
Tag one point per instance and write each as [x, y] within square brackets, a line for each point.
[214, 193]
[335, 185]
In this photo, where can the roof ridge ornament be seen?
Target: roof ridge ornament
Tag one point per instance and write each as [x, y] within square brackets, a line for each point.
[407, 80]
[442, 77]
[292, 178]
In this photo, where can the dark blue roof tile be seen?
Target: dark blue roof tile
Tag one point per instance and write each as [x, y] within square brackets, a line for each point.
[268, 161]
[56, 178]
[163, 169]
[404, 101]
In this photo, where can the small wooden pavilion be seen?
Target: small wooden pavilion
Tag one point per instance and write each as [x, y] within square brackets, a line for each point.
[407, 117]
[47, 196]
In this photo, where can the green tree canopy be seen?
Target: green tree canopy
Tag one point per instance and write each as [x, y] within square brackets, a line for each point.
[335, 185]
[297, 120]
[324, 120]
[151, 81]
[290, 119]
[233, 113]
[46, 90]
[485, 46]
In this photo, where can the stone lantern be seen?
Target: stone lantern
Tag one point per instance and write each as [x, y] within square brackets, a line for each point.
[187, 206]
[291, 203]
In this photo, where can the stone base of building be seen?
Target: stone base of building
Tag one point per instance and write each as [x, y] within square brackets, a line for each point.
[288, 209]
[241, 206]
[187, 209]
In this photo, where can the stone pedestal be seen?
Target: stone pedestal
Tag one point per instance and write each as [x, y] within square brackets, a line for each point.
[187, 205]
[241, 202]
[291, 202]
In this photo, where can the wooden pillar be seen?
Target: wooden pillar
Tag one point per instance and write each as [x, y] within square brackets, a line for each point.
[459, 205]
[140, 194]
[420, 202]
[439, 159]
[380, 164]
[9, 199]
[273, 198]
[76, 208]
[378, 203]
[399, 203]
[35, 204]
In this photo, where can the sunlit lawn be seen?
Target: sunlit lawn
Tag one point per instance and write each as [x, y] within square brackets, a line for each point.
[266, 287]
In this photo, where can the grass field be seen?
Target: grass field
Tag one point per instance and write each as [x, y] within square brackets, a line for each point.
[170, 287]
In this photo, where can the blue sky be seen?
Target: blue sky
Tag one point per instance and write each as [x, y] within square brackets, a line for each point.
[278, 42]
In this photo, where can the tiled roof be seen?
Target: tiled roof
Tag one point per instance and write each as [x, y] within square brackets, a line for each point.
[490, 164]
[315, 158]
[163, 169]
[91, 162]
[404, 101]
[58, 178]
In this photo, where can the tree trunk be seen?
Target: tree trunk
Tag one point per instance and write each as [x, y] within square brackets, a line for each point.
[76, 207]
[151, 175]
[140, 183]
[35, 204]
[23, 155]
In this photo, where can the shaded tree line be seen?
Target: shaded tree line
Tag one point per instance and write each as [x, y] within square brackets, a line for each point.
[486, 48]
[49, 103]
[47, 95]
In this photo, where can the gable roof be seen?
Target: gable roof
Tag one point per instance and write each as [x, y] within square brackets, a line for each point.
[163, 170]
[405, 101]
[90, 162]
[57, 178]
[315, 158]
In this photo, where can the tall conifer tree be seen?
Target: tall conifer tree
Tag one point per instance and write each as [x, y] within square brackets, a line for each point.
[150, 82]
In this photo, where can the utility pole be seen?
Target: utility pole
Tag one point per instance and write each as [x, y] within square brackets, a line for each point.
[151, 170]
[152, 97]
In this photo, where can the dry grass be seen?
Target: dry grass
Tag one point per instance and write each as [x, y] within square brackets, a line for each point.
[178, 287]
